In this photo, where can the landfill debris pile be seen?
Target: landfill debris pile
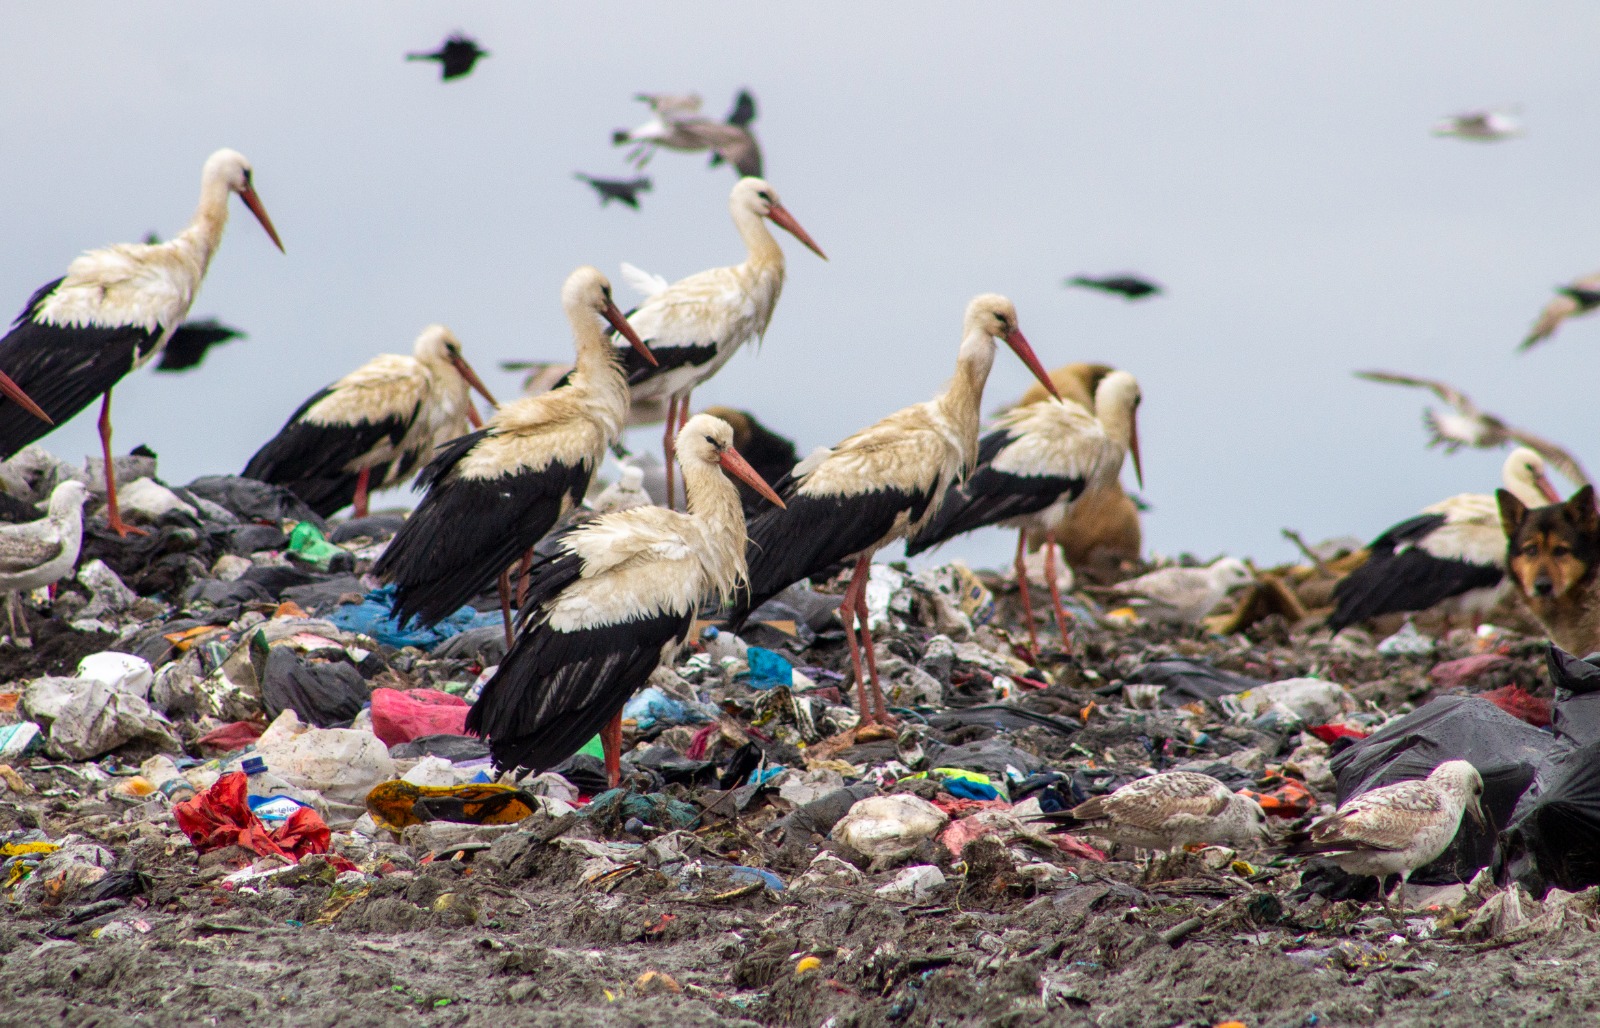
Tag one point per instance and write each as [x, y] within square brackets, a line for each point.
[233, 786]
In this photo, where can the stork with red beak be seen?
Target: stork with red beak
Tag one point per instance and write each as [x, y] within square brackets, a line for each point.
[881, 484]
[618, 598]
[696, 324]
[494, 493]
[112, 311]
[374, 427]
[1032, 467]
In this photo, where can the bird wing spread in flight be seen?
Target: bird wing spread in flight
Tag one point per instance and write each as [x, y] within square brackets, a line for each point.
[1443, 390]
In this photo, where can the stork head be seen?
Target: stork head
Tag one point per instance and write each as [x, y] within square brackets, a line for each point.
[1523, 475]
[707, 440]
[439, 347]
[1116, 400]
[231, 169]
[588, 292]
[756, 196]
[996, 317]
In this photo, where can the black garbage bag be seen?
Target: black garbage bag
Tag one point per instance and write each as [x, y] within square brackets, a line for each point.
[1003, 717]
[319, 597]
[321, 694]
[1184, 681]
[1506, 751]
[1555, 839]
[247, 539]
[1575, 715]
[486, 646]
[373, 526]
[252, 500]
[454, 748]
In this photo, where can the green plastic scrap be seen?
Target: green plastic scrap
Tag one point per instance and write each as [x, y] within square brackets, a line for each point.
[307, 543]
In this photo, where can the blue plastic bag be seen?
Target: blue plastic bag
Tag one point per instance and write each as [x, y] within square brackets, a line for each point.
[371, 617]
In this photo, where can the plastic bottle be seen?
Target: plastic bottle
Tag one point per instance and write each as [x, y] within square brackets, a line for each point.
[721, 645]
[264, 783]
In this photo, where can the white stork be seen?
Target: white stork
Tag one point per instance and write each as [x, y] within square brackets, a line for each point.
[494, 493]
[113, 311]
[1032, 467]
[881, 484]
[1454, 549]
[618, 598]
[374, 427]
[1580, 296]
[695, 325]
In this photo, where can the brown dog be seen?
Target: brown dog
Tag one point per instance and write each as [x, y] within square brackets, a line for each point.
[1553, 554]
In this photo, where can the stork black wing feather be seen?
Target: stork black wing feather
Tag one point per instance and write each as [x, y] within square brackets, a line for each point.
[63, 368]
[468, 530]
[814, 533]
[1400, 576]
[311, 459]
[988, 497]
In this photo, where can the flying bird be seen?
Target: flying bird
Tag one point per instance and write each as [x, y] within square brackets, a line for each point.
[1479, 126]
[618, 598]
[695, 325]
[679, 125]
[1169, 810]
[1454, 550]
[113, 311]
[1183, 596]
[456, 56]
[624, 191]
[881, 484]
[491, 495]
[1033, 465]
[1395, 829]
[193, 339]
[40, 553]
[1468, 425]
[1580, 296]
[1129, 286]
[374, 427]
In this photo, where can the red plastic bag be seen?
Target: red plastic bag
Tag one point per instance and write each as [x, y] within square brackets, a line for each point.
[1328, 733]
[399, 717]
[229, 738]
[221, 816]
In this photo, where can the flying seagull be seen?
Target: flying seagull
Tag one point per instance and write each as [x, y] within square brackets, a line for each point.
[624, 191]
[1465, 424]
[1483, 126]
[1130, 286]
[679, 125]
[1580, 296]
[456, 56]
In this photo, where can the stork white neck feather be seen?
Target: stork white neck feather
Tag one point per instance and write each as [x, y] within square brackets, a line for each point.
[765, 253]
[718, 518]
[962, 399]
[204, 231]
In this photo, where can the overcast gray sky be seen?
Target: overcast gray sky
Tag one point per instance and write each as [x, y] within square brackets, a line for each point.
[1270, 164]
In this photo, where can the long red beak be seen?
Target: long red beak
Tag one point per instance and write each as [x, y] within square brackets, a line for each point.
[466, 372]
[1020, 346]
[1133, 448]
[783, 219]
[620, 323]
[14, 392]
[740, 468]
[1547, 490]
[252, 201]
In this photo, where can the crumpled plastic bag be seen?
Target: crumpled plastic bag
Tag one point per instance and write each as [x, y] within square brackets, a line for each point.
[401, 716]
[320, 693]
[371, 617]
[340, 764]
[887, 829]
[221, 816]
[88, 718]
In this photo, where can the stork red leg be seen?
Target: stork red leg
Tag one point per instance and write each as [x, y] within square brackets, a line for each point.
[505, 605]
[1023, 587]
[1055, 592]
[522, 577]
[880, 706]
[611, 744]
[848, 617]
[113, 512]
[362, 481]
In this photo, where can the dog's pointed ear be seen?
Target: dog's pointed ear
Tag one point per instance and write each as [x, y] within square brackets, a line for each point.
[1583, 511]
[1512, 513]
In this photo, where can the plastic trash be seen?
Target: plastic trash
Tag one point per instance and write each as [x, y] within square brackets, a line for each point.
[339, 764]
[22, 739]
[913, 884]
[1186, 681]
[122, 671]
[651, 708]
[1408, 642]
[221, 816]
[308, 545]
[1507, 753]
[320, 693]
[767, 668]
[371, 618]
[721, 643]
[1555, 837]
[87, 718]
[396, 804]
[887, 829]
[402, 716]
[1305, 700]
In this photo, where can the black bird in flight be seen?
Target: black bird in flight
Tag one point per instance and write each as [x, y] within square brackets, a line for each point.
[1130, 286]
[457, 56]
[622, 190]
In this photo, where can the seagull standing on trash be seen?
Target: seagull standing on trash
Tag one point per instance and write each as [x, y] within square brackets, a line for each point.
[619, 598]
[1032, 466]
[694, 325]
[1398, 828]
[1183, 596]
[374, 427]
[1454, 550]
[491, 495]
[40, 553]
[1168, 810]
[1580, 296]
[881, 484]
[112, 312]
